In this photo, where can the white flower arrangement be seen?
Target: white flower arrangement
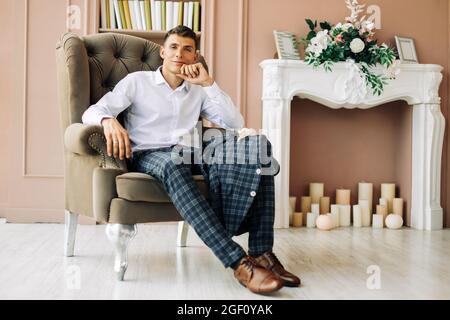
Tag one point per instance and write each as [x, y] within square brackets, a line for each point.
[353, 40]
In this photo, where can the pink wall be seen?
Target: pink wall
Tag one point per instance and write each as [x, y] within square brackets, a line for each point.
[33, 160]
[31, 184]
[6, 95]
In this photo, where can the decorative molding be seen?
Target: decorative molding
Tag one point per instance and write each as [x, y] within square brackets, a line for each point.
[350, 86]
[431, 91]
[25, 105]
[272, 82]
[207, 40]
[242, 59]
[417, 84]
[86, 17]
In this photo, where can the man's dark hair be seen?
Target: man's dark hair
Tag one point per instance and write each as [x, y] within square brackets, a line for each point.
[182, 31]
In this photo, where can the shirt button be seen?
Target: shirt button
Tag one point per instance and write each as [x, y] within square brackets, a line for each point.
[253, 193]
[258, 171]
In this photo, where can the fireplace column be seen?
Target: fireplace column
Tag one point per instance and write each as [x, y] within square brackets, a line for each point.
[428, 136]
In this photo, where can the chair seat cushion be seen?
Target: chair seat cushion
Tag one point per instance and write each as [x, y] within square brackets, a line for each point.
[136, 186]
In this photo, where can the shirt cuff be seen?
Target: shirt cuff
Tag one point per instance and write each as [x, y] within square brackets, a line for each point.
[213, 90]
[100, 118]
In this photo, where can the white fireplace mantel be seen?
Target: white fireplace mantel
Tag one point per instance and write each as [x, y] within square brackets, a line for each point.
[417, 84]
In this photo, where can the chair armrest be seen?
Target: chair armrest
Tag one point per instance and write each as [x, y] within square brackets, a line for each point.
[88, 140]
[77, 136]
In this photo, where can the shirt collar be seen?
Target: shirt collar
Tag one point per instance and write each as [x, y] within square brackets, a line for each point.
[159, 79]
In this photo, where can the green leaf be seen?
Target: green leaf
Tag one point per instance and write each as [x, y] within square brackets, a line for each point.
[325, 25]
[310, 24]
[311, 35]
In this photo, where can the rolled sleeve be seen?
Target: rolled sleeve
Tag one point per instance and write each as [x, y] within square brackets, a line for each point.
[112, 103]
[220, 109]
[212, 91]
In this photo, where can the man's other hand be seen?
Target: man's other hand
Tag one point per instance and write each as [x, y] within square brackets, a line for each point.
[195, 74]
[117, 140]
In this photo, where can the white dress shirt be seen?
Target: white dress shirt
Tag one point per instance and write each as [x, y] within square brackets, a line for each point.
[156, 115]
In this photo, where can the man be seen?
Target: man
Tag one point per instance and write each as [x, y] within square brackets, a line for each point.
[161, 107]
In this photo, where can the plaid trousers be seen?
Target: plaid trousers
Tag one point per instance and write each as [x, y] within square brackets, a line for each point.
[241, 198]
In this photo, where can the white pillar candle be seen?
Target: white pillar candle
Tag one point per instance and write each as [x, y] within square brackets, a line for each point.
[316, 192]
[335, 217]
[311, 219]
[335, 214]
[344, 215]
[315, 208]
[357, 216]
[343, 196]
[397, 206]
[324, 205]
[365, 192]
[385, 202]
[388, 193]
[334, 208]
[365, 212]
[382, 209]
[297, 219]
[292, 202]
[378, 221]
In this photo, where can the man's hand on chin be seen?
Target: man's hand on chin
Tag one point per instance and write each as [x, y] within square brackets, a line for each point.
[195, 74]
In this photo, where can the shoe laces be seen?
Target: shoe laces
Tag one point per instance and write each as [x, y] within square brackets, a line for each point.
[273, 259]
[249, 263]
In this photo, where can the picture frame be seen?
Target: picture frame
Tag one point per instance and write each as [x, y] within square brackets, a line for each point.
[406, 49]
[287, 45]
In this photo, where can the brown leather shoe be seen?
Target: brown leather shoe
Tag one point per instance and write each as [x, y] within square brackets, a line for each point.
[269, 261]
[256, 278]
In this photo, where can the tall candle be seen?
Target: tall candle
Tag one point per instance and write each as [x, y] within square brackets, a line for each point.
[397, 206]
[315, 208]
[316, 192]
[365, 212]
[324, 205]
[297, 220]
[343, 196]
[365, 192]
[344, 215]
[388, 193]
[357, 216]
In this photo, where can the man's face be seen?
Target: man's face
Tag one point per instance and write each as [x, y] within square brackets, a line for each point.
[177, 51]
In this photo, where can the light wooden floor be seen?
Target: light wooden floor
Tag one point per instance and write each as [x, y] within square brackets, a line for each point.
[332, 265]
